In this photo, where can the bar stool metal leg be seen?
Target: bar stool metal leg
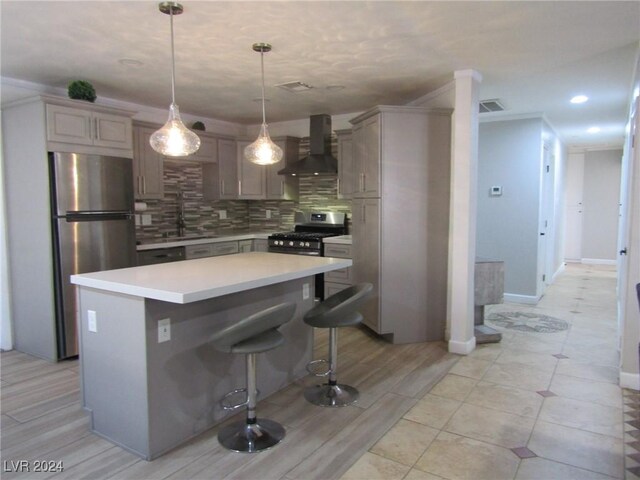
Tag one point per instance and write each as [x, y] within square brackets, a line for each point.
[251, 435]
[332, 394]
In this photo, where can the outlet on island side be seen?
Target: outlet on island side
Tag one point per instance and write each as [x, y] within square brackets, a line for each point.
[305, 291]
[164, 330]
[92, 321]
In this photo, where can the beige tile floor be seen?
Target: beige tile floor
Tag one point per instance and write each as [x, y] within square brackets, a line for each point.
[565, 410]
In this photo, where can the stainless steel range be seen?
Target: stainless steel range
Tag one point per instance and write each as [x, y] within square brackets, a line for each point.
[306, 239]
[310, 228]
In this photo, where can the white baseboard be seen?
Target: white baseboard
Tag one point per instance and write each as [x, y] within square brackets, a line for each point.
[558, 272]
[526, 299]
[630, 380]
[598, 261]
[462, 348]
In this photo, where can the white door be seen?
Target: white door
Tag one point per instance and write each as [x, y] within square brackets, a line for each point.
[546, 199]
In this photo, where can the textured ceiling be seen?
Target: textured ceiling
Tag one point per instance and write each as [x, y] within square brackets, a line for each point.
[533, 55]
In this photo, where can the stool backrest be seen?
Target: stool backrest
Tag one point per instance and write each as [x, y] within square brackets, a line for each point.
[252, 326]
[342, 303]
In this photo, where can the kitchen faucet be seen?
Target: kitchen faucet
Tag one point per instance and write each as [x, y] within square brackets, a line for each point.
[180, 221]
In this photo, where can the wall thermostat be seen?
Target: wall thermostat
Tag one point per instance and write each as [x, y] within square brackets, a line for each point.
[495, 191]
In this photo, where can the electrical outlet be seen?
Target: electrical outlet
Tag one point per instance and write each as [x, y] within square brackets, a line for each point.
[164, 330]
[268, 214]
[222, 214]
[92, 321]
[305, 291]
[146, 219]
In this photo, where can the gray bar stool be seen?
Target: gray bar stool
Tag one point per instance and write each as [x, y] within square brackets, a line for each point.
[250, 336]
[339, 310]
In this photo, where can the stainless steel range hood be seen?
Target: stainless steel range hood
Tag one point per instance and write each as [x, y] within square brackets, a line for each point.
[320, 161]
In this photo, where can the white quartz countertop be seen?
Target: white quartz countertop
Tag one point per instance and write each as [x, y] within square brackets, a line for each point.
[193, 280]
[340, 239]
[182, 242]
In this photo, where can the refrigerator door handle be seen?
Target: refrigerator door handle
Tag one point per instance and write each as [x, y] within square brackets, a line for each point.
[92, 216]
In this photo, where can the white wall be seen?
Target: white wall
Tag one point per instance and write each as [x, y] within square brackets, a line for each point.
[510, 155]
[601, 197]
[6, 335]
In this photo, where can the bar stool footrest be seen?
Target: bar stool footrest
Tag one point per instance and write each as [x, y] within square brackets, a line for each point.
[326, 395]
[251, 437]
[310, 367]
[229, 406]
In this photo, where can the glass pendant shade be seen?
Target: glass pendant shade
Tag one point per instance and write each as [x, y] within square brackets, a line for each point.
[174, 139]
[263, 151]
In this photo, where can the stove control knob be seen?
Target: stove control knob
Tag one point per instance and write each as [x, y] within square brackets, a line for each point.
[306, 244]
[291, 244]
[302, 244]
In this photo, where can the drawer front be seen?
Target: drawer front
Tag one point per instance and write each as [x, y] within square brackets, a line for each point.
[337, 251]
[342, 275]
[245, 246]
[199, 251]
[225, 248]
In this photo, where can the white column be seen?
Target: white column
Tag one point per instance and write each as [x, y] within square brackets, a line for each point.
[462, 230]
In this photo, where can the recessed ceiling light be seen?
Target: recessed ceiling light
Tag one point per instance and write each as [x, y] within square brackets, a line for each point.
[593, 129]
[579, 99]
[130, 62]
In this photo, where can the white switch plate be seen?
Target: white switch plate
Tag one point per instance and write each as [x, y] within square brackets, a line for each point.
[92, 321]
[305, 291]
[146, 219]
[222, 214]
[164, 330]
[268, 214]
[495, 191]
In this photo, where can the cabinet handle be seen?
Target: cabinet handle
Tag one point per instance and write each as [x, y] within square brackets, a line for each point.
[221, 187]
[282, 188]
[95, 123]
[361, 183]
[364, 182]
[144, 184]
[239, 187]
[338, 185]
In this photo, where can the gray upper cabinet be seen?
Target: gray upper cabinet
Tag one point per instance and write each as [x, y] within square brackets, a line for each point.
[220, 179]
[207, 153]
[346, 169]
[251, 177]
[366, 157]
[86, 127]
[401, 238]
[283, 187]
[148, 181]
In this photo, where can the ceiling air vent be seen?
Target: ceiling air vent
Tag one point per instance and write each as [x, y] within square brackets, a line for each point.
[490, 106]
[295, 87]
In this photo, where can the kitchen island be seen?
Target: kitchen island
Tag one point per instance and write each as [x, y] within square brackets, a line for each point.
[150, 380]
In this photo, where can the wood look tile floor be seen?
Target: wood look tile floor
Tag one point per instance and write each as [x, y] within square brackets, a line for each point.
[511, 410]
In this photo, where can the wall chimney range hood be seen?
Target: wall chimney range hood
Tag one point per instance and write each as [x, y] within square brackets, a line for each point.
[319, 161]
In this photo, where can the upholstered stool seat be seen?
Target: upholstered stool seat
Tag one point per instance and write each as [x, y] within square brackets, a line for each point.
[252, 335]
[339, 310]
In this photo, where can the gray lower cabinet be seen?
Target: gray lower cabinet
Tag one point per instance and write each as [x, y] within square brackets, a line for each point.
[337, 280]
[211, 249]
[261, 245]
[245, 246]
[365, 229]
[400, 219]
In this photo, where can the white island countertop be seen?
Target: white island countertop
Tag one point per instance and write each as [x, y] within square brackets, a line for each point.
[193, 280]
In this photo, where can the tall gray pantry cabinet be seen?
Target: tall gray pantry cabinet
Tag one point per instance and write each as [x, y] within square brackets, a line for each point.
[400, 220]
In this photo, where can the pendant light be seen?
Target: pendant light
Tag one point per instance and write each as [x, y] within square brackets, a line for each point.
[174, 139]
[263, 151]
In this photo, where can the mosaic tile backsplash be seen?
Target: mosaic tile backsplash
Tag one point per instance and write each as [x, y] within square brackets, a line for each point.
[202, 216]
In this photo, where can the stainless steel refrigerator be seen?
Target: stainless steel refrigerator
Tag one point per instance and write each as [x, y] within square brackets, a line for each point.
[93, 228]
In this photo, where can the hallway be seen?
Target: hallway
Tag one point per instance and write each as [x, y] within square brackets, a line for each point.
[542, 404]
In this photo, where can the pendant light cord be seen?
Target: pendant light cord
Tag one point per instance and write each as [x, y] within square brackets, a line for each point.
[264, 117]
[173, 62]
